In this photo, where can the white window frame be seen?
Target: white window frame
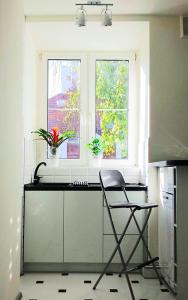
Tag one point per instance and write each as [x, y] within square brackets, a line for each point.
[87, 108]
[132, 120]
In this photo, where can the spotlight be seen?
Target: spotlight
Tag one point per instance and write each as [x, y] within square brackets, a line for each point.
[106, 17]
[81, 16]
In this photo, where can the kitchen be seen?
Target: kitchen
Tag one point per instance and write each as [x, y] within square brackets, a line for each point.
[166, 52]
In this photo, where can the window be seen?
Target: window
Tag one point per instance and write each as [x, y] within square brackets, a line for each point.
[92, 94]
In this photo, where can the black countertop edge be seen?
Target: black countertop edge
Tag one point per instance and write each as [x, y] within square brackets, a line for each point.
[70, 187]
[169, 163]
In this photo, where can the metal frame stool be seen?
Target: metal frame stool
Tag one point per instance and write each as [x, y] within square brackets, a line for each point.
[114, 179]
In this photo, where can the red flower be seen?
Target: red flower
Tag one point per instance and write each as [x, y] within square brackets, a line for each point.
[55, 132]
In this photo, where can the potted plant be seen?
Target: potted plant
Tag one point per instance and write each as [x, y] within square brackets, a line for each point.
[95, 146]
[54, 138]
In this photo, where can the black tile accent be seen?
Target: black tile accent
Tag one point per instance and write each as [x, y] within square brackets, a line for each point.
[32, 299]
[144, 299]
[165, 290]
[135, 281]
[88, 299]
[113, 291]
[62, 291]
[64, 274]
[109, 274]
[87, 281]
[39, 281]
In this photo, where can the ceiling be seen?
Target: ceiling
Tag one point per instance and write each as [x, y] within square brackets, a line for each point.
[135, 7]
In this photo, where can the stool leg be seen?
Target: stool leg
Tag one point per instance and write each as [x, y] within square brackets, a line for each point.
[117, 248]
[148, 252]
[138, 240]
[144, 243]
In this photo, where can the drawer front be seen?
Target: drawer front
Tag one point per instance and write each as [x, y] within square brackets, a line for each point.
[126, 247]
[120, 215]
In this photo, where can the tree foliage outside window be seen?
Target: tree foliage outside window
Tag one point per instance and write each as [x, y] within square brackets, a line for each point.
[112, 107]
[64, 102]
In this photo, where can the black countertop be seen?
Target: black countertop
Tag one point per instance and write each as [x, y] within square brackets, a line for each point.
[169, 163]
[50, 186]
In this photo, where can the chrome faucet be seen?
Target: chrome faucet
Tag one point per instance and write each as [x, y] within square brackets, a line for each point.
[36, 177]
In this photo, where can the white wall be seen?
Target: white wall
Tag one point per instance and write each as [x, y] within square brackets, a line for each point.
[168, 90]
[11, 149]
[30, 104]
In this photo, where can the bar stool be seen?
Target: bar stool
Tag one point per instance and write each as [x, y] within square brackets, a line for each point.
[113, 179]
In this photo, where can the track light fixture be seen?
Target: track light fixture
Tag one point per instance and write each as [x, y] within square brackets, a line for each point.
[106, 13]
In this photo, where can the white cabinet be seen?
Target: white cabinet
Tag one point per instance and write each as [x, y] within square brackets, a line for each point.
[43, 229]
[120, 217]
[173, 225]
[83, 226]
[69, 227]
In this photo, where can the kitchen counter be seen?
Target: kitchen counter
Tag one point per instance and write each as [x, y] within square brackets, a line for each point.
[169, 163]
[61, 186]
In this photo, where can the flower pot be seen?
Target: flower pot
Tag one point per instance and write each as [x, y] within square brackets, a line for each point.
[53, 152]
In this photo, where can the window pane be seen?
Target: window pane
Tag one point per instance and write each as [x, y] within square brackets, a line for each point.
[111, 128]
[112, 84]
[64, 102]
[112, 107]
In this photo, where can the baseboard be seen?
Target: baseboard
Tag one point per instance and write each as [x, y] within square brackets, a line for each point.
[72, 267]
[19, 296]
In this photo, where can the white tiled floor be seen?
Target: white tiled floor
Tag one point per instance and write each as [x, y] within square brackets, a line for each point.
[76, 289]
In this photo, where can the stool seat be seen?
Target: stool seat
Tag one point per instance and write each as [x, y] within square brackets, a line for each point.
[138, 206]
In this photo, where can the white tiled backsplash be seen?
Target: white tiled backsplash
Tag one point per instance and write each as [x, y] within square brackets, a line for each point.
[131, 174]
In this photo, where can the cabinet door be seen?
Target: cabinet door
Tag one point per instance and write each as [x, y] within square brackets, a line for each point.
[43, 231]
[83, 226]
[166, 236]
[166, 223]
[121, 215]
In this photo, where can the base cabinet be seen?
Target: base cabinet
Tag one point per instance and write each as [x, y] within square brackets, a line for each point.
[72, 227]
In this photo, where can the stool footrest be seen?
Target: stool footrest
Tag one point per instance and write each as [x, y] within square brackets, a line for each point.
[151, 261]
